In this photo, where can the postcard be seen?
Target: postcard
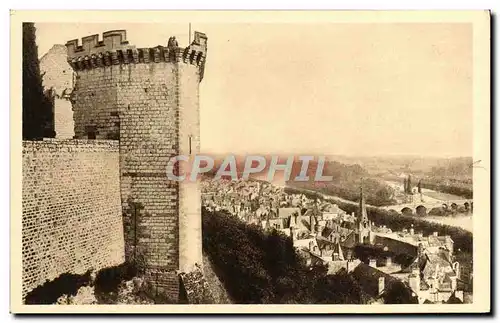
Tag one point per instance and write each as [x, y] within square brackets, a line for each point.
[250, 162]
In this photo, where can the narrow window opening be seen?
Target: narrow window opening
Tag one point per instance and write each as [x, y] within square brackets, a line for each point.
[91, 131]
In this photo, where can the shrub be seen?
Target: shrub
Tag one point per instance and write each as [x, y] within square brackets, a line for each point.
[65, 284]
[259, 268]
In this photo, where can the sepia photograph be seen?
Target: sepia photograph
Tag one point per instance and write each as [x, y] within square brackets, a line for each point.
[238, 160]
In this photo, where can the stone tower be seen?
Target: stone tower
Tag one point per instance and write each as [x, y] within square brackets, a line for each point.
[147, 98]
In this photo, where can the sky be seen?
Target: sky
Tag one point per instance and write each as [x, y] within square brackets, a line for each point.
[332, 88]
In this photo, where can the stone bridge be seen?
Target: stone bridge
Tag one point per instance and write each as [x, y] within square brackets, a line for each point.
[422, 207]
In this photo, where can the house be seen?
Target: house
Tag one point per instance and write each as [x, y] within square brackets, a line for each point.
[287, 212]
[328, 250]
[377, 285]
[348, 244]
[433, 277]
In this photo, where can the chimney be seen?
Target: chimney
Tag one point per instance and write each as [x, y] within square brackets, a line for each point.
[388, 261]
[456, 268]
[373, 262]
[412, 231]
[432, 284]
[381, 285]
[453, 282]
[414, 282]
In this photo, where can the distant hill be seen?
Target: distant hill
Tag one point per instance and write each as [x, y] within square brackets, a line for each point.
[457, 167]
[346, 183]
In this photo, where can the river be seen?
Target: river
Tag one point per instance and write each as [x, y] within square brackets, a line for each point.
[461, 221]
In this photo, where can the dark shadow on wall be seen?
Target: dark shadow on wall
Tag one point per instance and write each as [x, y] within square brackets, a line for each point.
[50, 291]
[108, 281]
[106, 284]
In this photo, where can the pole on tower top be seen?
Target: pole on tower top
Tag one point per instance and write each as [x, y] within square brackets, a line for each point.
[189, 34]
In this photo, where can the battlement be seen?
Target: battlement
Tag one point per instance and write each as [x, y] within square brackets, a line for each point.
[111, 40]
[114, 49]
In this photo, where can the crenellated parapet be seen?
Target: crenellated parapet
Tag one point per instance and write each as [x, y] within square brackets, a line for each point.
[114, 49]
[111, 40]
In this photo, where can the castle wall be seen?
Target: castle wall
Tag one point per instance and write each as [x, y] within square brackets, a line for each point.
[72, 216]
[57, 76]
[63, 118]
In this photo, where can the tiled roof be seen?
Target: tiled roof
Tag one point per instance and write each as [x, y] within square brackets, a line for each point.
[350, 241]
[326, 232]
[286, 212]
[323, 244]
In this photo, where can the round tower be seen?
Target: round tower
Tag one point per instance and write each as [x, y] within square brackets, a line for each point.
[147, 98]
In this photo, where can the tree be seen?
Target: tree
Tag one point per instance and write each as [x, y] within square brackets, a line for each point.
[341, 288]
[259, 268]
[399, 293]
[37, 107]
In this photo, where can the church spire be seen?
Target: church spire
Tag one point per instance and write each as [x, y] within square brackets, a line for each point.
[362, 215]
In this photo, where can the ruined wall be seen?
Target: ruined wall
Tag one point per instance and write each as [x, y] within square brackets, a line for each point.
[72, 216]
[148, 99]
[57, 77]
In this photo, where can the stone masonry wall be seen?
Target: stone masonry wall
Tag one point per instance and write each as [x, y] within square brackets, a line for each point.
[148, 139]
[72, 215]
[137, 103]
